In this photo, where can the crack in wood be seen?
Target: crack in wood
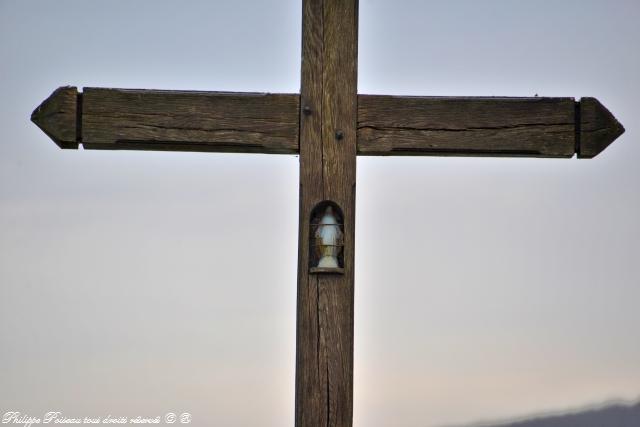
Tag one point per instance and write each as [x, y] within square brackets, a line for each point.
[466, 129]
[194, 129]
[328, 398]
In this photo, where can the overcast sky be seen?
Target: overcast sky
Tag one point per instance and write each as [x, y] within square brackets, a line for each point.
[138, 283]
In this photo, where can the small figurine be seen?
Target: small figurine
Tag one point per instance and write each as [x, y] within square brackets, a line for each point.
[329, 240]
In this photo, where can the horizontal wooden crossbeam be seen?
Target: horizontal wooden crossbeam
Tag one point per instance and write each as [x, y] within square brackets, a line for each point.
[440, 126]
[125, 119]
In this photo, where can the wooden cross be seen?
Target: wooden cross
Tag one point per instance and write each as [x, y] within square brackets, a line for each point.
[328, 124]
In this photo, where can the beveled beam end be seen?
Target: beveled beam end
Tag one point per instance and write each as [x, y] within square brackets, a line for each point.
[57, 116]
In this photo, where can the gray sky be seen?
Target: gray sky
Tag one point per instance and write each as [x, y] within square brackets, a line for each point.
[138, 283]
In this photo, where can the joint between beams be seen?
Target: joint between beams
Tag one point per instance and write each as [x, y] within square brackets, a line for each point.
[578, 125]
[79, 118]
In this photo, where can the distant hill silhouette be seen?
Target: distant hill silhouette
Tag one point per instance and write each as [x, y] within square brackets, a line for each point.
[615, 415]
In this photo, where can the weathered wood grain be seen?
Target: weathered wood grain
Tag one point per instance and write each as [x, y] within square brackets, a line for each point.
[189, 121]
[125, 119]
[598, 128]
[324, 357]
[57, 117]
[533, 127]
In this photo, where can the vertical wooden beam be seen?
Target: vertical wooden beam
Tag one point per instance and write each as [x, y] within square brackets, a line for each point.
[328, 120]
